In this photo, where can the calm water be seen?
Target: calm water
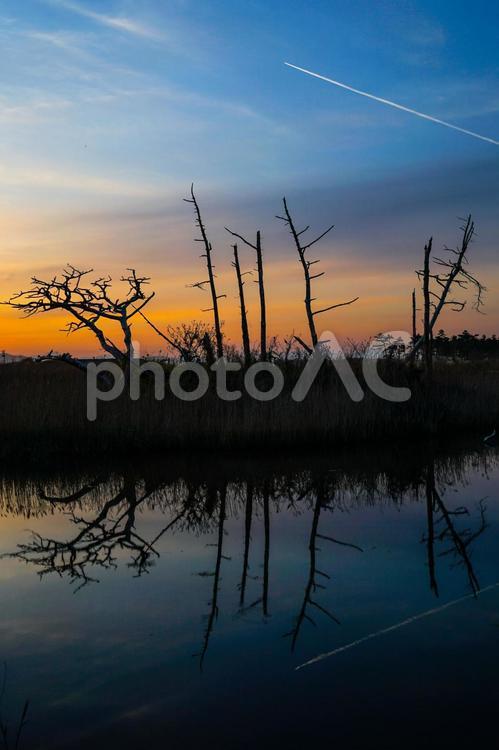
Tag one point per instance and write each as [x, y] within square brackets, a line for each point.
[177, 600]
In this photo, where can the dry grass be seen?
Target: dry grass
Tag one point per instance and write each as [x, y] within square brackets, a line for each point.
[43, 412]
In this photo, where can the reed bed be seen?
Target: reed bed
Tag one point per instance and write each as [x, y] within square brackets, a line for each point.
[43, 412]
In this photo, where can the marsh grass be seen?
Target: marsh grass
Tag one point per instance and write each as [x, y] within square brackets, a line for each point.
[43, 412]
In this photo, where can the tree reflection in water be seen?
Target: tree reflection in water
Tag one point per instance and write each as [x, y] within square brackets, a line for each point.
[104, 512]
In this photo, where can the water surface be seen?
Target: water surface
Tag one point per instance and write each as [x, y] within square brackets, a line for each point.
[169, 604]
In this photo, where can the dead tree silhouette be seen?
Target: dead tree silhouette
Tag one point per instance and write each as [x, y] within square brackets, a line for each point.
[309, 277]
[91, 306]
[442, 529]
[211, 274]
[257, 247]
[313, 585]
[414, 318]
[437, 295]
[242, 304]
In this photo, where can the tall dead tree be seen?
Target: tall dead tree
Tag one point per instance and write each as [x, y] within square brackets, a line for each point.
[414, 316]
[208, 249]
[428, 333]
[439, 285]
[242, 303]
[257, 247]
[309, 277]
[91, 306]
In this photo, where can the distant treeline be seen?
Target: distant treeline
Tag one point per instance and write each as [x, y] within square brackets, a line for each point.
[466, 345]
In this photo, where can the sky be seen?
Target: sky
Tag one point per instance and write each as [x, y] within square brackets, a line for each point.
[110, 109]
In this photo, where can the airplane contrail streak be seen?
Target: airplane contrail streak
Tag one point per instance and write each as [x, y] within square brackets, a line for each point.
[395, 105]
[398, 625]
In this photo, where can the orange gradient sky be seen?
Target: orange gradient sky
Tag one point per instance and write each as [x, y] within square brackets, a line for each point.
[165, 251]
[109, 109]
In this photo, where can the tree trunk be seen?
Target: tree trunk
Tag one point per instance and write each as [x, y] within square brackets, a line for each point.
[244, 318]
[261, 288]
[428, 338]
[414, 329]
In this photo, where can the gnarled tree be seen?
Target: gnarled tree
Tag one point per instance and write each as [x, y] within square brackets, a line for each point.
[309, 277]
[90, 305]
[438, 287]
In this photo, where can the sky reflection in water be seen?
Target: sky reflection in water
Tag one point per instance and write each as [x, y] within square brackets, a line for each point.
[177, 601]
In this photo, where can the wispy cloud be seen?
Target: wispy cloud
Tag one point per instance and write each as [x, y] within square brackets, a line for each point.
[61, 39]
[33, 111]
[47, 177]
[119, 23]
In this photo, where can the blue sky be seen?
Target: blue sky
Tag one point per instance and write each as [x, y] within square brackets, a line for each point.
[156, 93]
[109, 109]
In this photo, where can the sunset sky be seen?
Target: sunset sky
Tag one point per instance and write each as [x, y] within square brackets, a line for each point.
[110, 109]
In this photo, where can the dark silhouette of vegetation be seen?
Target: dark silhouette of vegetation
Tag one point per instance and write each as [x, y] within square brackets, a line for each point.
[43, 409]
[466, 346]
[50, 405]
[438, 288]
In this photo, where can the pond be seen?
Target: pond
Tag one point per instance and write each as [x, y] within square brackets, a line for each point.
[347, 599]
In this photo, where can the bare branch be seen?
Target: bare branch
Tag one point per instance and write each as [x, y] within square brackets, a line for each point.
[306, 265]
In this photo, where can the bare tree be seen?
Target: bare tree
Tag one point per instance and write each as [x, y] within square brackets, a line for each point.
[211, 274]
[91, 306]
[414, 323]
[428, 332]
[257, 247]
[242, 304]
[309, 277]
[438, 287]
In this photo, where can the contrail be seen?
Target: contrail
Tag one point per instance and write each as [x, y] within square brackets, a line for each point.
[394, 104]
[394, 627]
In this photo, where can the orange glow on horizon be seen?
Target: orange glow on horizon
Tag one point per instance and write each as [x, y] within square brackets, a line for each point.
[39, 245]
